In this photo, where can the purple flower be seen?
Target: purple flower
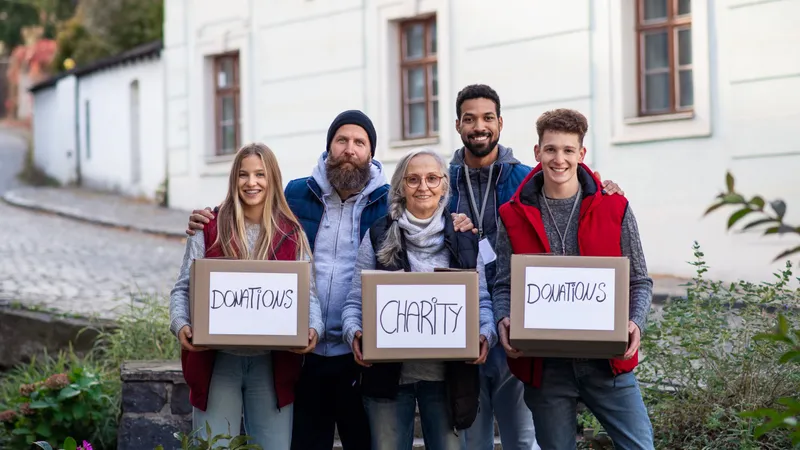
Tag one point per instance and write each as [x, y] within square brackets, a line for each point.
[86, 446]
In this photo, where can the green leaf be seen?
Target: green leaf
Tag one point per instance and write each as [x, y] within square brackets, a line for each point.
[735, 217]
[238, 441]
[68, 392]
[43, 429]
[79, 411]
[779, 206]
[733, 199]
[729, 181]
[780, 229]
[789, 252]
[790, 403]
[714, 207]
[792, 356]
[758, 202]
[20, 431]
[783, 325]
[70, 444]
[41, 404]
[758, 222]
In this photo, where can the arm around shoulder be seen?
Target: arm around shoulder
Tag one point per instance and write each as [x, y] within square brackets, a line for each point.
[501, 295]
[641, 285]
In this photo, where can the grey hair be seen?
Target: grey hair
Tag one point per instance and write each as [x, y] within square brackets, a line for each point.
[389, 251]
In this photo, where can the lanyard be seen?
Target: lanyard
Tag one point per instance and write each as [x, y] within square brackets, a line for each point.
[563, 237]
[479, 213]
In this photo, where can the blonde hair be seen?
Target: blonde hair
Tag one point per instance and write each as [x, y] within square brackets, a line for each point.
[231, 234]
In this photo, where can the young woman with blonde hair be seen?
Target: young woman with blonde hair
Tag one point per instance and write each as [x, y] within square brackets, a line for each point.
[254, 222]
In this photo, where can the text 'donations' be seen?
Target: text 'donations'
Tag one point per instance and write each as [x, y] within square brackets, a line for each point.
[569, 298]
[252, 303]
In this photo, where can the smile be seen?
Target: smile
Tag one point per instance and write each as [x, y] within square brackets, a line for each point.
[252, 191]
[480, 138]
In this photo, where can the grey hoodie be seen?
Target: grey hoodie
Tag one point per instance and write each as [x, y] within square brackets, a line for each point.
[480, 182]
[336, 251]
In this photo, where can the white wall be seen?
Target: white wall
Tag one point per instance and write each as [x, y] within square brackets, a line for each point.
[747, 91]
[291, 89]
[54, 130]
[106, 154]
[49, 154]
[303, 62]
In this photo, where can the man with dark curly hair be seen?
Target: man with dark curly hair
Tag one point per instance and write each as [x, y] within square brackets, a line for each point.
[559, 208]
[484, 175]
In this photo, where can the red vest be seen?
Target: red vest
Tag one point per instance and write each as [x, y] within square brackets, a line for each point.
[599, 232]
[198, 366]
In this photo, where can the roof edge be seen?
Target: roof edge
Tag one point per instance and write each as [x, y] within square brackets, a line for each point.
[141, 51]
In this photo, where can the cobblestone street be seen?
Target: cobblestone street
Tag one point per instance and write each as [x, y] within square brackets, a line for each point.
[74, 267]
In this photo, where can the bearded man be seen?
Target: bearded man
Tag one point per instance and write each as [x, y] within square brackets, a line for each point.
[346, 192]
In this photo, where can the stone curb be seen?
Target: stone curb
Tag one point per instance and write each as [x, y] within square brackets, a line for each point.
[15, 199]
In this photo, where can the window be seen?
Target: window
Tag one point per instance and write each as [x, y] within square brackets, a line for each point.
[419, 78]
[664, 39]
[226, 103]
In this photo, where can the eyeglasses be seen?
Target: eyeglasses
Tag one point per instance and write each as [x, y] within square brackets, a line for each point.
[432, 181]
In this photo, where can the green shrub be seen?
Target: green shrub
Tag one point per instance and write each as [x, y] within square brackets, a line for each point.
[142, 334]
[71, 402]
[702, 366]
[787, 415]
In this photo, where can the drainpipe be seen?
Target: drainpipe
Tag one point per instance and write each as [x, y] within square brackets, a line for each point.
[592, 98]
[165, 122]
[364, 55]
[78, 176]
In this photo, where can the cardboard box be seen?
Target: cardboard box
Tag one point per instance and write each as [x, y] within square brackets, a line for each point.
[420, 316]
[250, 304]
[570, 306]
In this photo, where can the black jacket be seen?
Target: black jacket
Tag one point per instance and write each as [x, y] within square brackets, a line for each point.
[382, 380]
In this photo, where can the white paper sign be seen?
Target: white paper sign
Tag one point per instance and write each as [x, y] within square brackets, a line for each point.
[252, 303]
[569, 298]
[429, 316]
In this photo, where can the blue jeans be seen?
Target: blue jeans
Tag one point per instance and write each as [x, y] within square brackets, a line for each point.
[615, 401]
[501, 398]
[391, 421]
[245, 381]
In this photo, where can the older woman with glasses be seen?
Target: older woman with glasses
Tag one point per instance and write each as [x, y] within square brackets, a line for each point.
[417, 236]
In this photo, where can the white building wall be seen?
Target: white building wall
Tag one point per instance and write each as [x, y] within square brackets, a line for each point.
[50, 152]
[303, 62]
[54, 145]
[747, 95]
[107, 157]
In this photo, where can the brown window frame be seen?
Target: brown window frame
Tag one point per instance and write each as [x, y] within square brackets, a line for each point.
[672, 24]
[219, 94]
[428, 60]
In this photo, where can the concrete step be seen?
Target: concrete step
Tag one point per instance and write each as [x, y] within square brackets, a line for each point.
[420, 444]
[418, 428]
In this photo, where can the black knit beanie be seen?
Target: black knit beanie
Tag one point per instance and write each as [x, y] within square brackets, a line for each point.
[353, 117]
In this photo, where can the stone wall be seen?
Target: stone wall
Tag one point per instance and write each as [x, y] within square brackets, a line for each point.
[155, 405]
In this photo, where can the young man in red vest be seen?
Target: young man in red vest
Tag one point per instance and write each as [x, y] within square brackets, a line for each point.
[559, 208]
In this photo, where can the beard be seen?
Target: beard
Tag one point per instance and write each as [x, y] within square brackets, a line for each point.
[346, 174]
[480, 150]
